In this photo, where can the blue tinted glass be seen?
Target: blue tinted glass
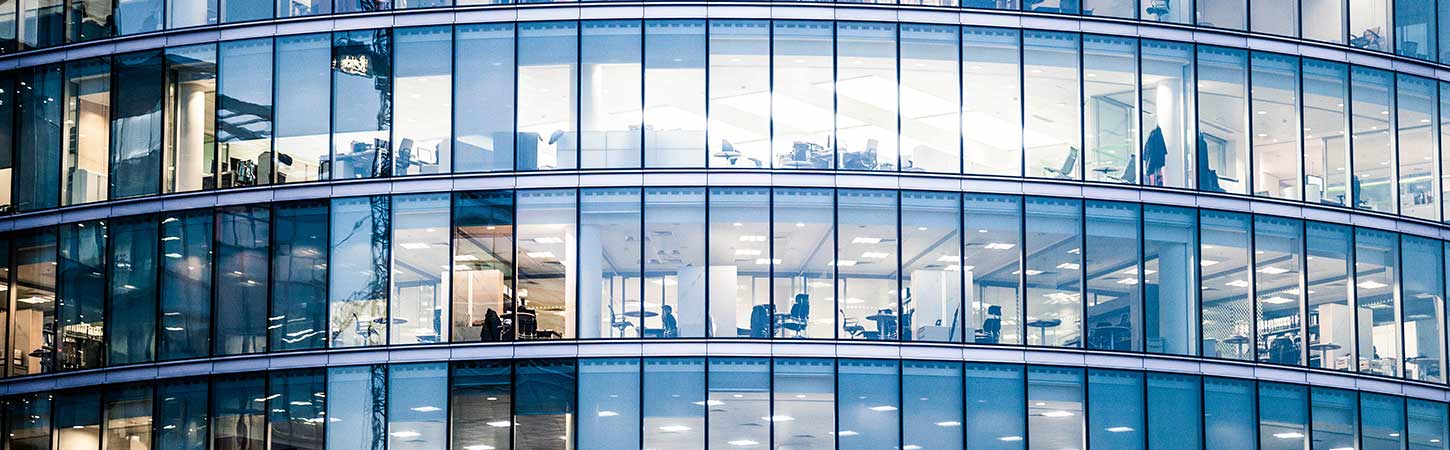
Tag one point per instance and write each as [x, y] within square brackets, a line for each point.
[1174, 411]
[299, 276]
[674, 403]
[868, 404]
[1427, 422]
[1055, 407]
[81, 293]
[1228, 413]
[1115, 409]
[484, 73]
[931, 404]
[1382, 421]
[132, 288]
[245, 10]
[242, 242]
[357, 401]
[804, 413]
[417, 406]
[544, 404]
[186, 275]
[996, 407]
[609, 401]
[297, 408]
[482, 398]
[739, 397]
[1336, 416]
[238, 420]
[1283, 416]
[181, 414]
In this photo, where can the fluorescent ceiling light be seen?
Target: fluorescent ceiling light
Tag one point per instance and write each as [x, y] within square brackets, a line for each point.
[414, 245]
[1119, 429]
[1057, 413]
[548, 240]
[1371, 284]
[866, 240]
[1000, 246]
[540, 254]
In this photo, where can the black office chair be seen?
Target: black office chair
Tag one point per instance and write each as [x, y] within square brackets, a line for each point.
[992, 326]
[800, 315]
[760, 317]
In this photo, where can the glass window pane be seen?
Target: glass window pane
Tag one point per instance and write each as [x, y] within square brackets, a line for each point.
[1278, 262]
[544, 405]
[241, 265]
[1225, 258]
[362, 104]
[136, 125]
[186, 279]
[992, 101]
[932, 404]
[357, 405]
[80, 296]
[930, 99]
[238, 421]
[7, 261]
[1331, 318]
[78, 420]
[132, 289]
[1167, 95]
[299, 8]
[803, 102]
[1221, 14]
[35, 294]
[351, 6]
[484, 72]
[995, 406]
[1326, 127]
[992, 260]
[1110, 106]
[1228, 413]
[359, 286]
[244, 123]
[867, 265]
[1424, 298]
[1415, 29]
[1443, 136]
[674, 93]
[674, 403]
[1324, 20]
[1122, 9]
[1053, 118]
[1113, 299]
[740, 263]
[739, 402]
[8, 133]
[299, 276]
[423, 96]
[1427, 422]
[1376, 267]
[1174, 411]
[931, 266]
[803, 412]
[868, 404]
[1053, 244]
[128, 417]
[610, 263]
[1283, 416]
[42, 23]
[87, 113]
[1274, 17]
[1223, 136]
[1382, 418]
[1115, 408]
[1170, 281]
[548, 94]
[674, 263]
[481, 395]
[1276, 127]
[296, 411]
[190, 123]
[866, 96]
[420, 259]
[804, 263]
[483, 225]
[610, 54]
[138, 16]
[609, 401]
[1417, 144]
[1336, 415]
[1373, 183]
[417, 406]
[1166, 11]
[546, 282]
[189, 13]
[89, 20]
[181, 414]
[739, 122]
[29, 423]
[1055, 407]
[303, 107]
[1369, 24]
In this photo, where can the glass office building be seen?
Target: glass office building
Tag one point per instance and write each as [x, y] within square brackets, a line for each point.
[925, 224]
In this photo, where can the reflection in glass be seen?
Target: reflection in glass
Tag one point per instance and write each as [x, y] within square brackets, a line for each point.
[1122, 9]
[610, 113]
[1414, 29]
[37, 176]
[866, 96]
[419, 292]
[739, 402]
[1283, 416]
[1278, 262]
[804, 263]
[1225, 285]
[992, 262]
[1443, 109]
[35, 294]
[1167, 95]
[357, 399]
[9, 131]
[931, 266]
[243, 120]
[867, 266]
[995, 406]
[238, 421]
[739, 103]
[481, 396]
[1382, 421]
[482, 265]
[1274, 17]
[417, 406]
[1053, 245]
[1174, 410]
[1323, 20]
[1326, 146]
[868, 404]
[1369, 25]
[930, 96]
[1330, 324]
[181, 414]
[802, 104]
[483, 72]
[136, 124]
[609, 263]
[674, 93]
[233, 11]
[1055, 407]
[932, 404]
[28, 422]
[362, 104]
[358, 282]
[1417, 141]
[1170, 269]
[78, 420]
[1223, 136]
[128, 417]
[132, 262]
[85, 164]
[1373, 182]
[423, 96]
[609, 401]
[1166, 11]
[80, 296]
[1275, 102]
[992, 101]
[803, 410]
[544, 308]
[1228, 413]
[1423, 294]
[1376, 274]
[303, 107]
[188, 13]
[1110, 107]
[242, 243]
[739, 239]
[89, 20]
[186, 284]
[300, 8]
[544, 404]
[190, 121]
[299, 276]
[296, 409]
[1115, 409]
[1051, 135]
[1114, 303]
[674, 263]
[1335, 415]
[1227, 14]
[674, 403]
[548, 94]
[1427, 422]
